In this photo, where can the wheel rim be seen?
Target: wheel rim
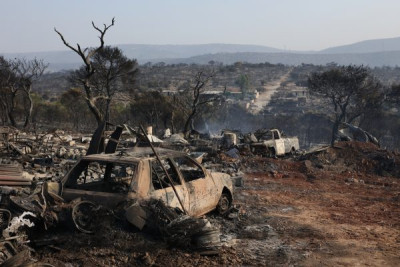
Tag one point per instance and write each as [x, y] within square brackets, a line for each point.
[223, 204]
[82, 216]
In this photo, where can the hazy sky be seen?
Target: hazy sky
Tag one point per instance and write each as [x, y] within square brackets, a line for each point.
[27, 25]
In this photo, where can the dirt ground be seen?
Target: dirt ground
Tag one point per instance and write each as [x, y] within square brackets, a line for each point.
[328, 221]
[331, 208]
[334, 215]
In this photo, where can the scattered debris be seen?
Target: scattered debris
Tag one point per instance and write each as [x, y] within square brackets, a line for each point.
[50, 184]
[17, 222]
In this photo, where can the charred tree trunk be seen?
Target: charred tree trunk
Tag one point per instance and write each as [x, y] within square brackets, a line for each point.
[173, 128]
[189, 122]
[12, 119]
[335, 128]
[4, 111]
[29, 111]
[95, 111]
[11, 108]
[107, 113]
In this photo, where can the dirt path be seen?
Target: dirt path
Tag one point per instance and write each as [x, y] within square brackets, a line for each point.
[270, 89]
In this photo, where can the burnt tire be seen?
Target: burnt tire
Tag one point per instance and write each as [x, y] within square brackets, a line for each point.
[271, 153]
[82, 216]
[224, 204]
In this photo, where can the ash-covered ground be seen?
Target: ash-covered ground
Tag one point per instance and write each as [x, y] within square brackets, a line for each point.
[337, 206]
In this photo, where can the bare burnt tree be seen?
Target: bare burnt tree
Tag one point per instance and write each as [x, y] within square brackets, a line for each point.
[8, 91]
[90, 70]
[194, 98]
[352, 91]
[17, 77]
[115, 74]
[27, 72]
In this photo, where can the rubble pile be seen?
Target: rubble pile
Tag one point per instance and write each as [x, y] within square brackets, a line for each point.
[31, 158]
[37, 165]
[352, 160]
[356, 157]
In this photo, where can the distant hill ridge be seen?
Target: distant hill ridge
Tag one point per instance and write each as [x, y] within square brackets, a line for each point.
[377, 59]
[377, 52]
[148, 52]
[368, 46]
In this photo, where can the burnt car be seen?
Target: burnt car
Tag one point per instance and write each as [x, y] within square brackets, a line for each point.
[137, 175]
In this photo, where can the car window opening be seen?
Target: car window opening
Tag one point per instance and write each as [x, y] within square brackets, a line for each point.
[189, 169]
[104, 177]
[159, 178]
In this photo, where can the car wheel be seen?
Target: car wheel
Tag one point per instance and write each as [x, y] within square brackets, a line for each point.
[82, 216]
[224, 204]
[271, 153]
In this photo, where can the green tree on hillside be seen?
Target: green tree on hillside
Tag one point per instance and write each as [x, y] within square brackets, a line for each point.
[243, 83]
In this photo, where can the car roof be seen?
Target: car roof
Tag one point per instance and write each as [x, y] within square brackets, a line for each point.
[134, 155]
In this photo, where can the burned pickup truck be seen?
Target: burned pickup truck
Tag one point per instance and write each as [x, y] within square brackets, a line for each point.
[271, 143]
[126, 178]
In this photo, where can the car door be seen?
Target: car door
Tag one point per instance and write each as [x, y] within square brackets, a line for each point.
[279, 143]
[105, 183]
[161, 187]
[203, 191]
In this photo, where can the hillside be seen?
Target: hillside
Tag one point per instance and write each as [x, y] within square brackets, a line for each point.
[371, 59]
[144, 52]
[63, 60]
[379, 52]
[368, 46]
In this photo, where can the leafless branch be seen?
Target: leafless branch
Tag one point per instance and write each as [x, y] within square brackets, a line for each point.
[87, 53]
[65, 42]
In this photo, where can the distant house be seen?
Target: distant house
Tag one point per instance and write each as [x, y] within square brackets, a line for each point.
[168, 92]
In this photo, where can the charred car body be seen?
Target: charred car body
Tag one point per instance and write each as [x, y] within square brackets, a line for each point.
[271, 143]
[127, 178]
